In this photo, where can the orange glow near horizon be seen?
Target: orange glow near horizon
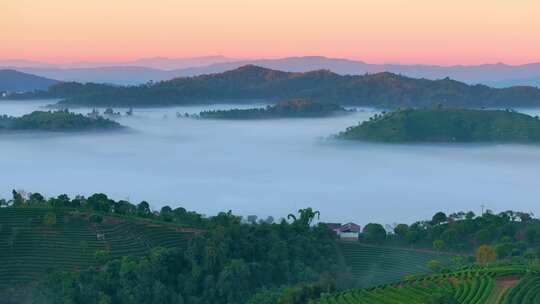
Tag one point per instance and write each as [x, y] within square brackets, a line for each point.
[375, 31]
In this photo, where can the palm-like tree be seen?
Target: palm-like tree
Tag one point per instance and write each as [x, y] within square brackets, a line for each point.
[307, 216]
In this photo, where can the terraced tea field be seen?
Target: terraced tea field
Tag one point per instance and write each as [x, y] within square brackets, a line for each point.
[374, 265]
[29, 248]
[473, 286]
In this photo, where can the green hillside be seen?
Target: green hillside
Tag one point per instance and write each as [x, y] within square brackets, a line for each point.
[375, 265]
[29, 247]
[468, 286]
[447, 125]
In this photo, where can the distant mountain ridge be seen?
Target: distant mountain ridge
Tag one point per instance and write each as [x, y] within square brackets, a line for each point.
[248, 83]
[158, 69]
[15, 81]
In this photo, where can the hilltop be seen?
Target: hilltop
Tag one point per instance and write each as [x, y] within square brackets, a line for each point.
[15, 81]
[249, 83]
[447, 125]
[56, 121]
[297, 108]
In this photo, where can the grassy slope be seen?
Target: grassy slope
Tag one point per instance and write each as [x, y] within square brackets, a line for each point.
[28, 248]
[374, 265]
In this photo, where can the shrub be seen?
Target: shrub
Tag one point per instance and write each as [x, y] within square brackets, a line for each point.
[95, 218]
[434, 265]
[485, 254]
[49, 219]
[102, 256]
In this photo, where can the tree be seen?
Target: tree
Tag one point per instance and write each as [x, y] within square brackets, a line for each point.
[485, 254]
[95, 218]
[438, 245]
[458, 261]
[102, 256]
[434, 265]
[374, 232]
[18, 198]
[469, 215]
[503, 250]
[531, 235]
[123, 207]
[252, 219]
[143, 209]
[438, 218]
[307, 216]
[49, 219]
[99, 202]
[166, 213]
[483, 236]
[401, 230]
[36, 198]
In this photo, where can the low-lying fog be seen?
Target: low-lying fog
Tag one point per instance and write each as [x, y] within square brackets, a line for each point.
[269, 167]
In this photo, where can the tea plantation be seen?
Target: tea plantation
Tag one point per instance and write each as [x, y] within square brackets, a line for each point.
[375, 265]
[469, 286]
[31, 246]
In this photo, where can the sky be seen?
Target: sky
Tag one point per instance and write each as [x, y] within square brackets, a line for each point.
[444, 32]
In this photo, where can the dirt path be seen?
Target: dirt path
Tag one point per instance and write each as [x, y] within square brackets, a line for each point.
[501, 285]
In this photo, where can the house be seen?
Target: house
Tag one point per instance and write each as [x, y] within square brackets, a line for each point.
[349, 231]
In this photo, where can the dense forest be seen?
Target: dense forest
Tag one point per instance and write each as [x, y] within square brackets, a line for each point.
[286, 109]
[55, 121]
[249, 83]
[447, 125]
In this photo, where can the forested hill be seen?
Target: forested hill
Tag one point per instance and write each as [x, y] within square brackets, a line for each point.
[252, 82]
[447, 125]
[58, 121]
[297, 108]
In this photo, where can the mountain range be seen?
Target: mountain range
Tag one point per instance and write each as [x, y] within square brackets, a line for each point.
[15, 81]
[254, 83]
[159, 69]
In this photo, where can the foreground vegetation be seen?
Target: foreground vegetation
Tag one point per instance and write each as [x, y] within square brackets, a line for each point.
[471, 285]
[98, 250]
[36, 240]
[447, 125]
[226, 262]
[249, 83]
[297, 108]
[55, 121]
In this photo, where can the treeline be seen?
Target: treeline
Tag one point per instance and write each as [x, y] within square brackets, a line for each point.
[509, 234]
[99, 204]
[62, 120]
[286, 109]
[250, 83]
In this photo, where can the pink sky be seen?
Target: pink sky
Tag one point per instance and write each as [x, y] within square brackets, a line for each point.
[377, 31]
